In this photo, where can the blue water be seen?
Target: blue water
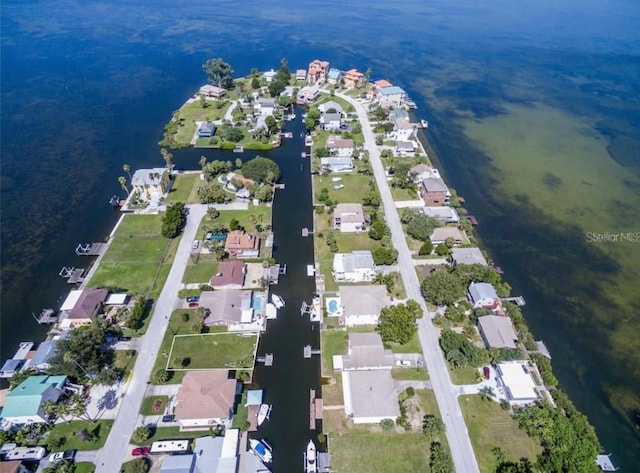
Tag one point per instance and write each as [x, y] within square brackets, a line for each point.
[333, 306]
[256, 303]
[88, 87]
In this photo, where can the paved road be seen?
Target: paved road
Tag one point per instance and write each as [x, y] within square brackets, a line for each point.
[109, 458]
[464, 459]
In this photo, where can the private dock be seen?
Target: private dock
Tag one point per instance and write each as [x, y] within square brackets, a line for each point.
[315, 409]
[308, 351]
[269, 241]
[306, 232]
[305, 308]
[47, 316]
[273, 274]
[519, 300]
[72, 275]
[90, 249]
[303, 155]
[267, 359]
[278, 186]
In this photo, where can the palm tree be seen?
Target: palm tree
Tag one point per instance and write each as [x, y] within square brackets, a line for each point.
[126, 168]
[203, 161]
[168, 158]
[123, 183]
[486, 393]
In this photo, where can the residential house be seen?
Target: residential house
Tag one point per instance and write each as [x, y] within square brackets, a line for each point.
[265, 106]
[301, 74]
[244, 194]
[515, 378]
[382, 84]
[340, 146]
[269, 75]
[331, 107]
[357, 266]
[230, 275]
[483, 296]
[366, 352]
[242, 244]
[353, 79]
[398, 113]
[13, 466]
[150, 183]
[439, 235]
[434, 191]
[212, 91]
[210, 455]
[336, 164]
[349, 218]
[372, 93]
[405, 148]
[391, 96]
[87, 304]
[205, 399]
[308, 94]
[497, 331]
[422, 171]
[442, 214]
[403, 129]
[331, 121]
[370, 396]
[206, 129]
[361, 305]
[178, 464]
[334, 76]
[467, 256]
[237, 309]
[45, 352]
[317, 71]
[25, 404]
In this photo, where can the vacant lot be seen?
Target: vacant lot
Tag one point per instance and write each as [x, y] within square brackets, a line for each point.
[212, 351]
[184, 189]
[200, 273]
[355, 187]
[490, 426]
[68, 431]
[248, 219]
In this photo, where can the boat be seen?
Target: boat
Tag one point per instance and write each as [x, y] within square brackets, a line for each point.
[277, 301]
[261, 449]
[263, 413]
[424, 123]
[338, 186]
[238, 149]
[336, 179]
[114, 201]
[311, 465]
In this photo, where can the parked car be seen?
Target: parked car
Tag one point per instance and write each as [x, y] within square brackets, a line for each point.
[193, 305]
[403, 363]
[59, 456]
[193, 299]
[196, 244]
[486, 371]
[124, 339]
[140, 451]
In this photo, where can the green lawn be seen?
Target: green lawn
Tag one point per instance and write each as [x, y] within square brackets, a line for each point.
[165, 433]
[241, 415]
[489, 426]
[332, 393]
[140, 225]
[383, 452]
[466, 375]
[189, 113]
[399, 291]
[410, 374]
[262, 214]
[214, 351]
[68, 431]
[412, 346]
[85, 467]
[148, 404]
[403, 194]
[200, 273]
[184, 189]
[333, 342]
[125, 359]
[346, 106]
[355, 187]
[136, 249]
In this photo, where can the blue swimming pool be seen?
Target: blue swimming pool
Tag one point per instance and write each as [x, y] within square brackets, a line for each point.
[333, 306]
[256, 303]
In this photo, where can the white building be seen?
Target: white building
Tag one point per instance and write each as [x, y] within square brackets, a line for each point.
[515, 378]
[467, 256]
[443, 214]
[361, 305]
[391, 96]
[357, 266]
[336, 164]
[370, 396]
[265, 107]
[269, 75]
[483, 295]
[349, 218]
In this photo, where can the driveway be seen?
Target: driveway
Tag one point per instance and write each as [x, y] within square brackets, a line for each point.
[462, 454]
[112, 455]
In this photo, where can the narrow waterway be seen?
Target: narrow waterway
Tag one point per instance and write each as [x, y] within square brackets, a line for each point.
[287, 383]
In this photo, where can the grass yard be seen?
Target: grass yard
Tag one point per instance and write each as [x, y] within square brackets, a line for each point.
[399, 291]
[165, 433]
[412, 346]
[125, 359]
[136, 249]
[332, 393]
[355, 187]
[466, 375]
[489, 426]
[213, 351]
[68, 430]
[154, 405]
[326, 266]
[398, 193]
[346, 106]
[191, 112]
[184, 189]
[199, 273]
[332, 342]
[240, 418]
[410, 374]
[85, 467]
[140, 225]
[262, 215]
[389, 452]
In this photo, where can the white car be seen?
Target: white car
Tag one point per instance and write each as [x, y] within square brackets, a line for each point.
[59, 456]
[403, 363]
[196, 244]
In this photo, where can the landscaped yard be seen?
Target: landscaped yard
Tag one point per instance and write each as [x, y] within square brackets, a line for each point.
[262, 214]
[69, 431]
[410, 374]
[213, 351]
[184, 189]
[412, 346]
[154, 405]
[200, 273]
[355, 187]
[241, 415]
[466, 375]
[490, 426]
[398, 193]
[164, 433]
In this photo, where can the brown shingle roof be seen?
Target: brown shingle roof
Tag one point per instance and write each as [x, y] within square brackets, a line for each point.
[205, 395]
[231, 273]
[88, 303]
[239, 240]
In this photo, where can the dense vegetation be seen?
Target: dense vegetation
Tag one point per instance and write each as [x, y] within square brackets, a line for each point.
[174, 220]
[261, 170]
[397, 323]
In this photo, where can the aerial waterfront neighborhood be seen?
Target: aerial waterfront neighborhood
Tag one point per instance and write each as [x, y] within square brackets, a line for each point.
[151, 361]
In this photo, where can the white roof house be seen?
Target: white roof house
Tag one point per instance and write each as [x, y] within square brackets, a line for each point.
[405, 148]
[265, 106]
[150, 182]
[440, 235]
[366, 352]
[349, 218]
[515, 378]
[331, 121]
[331, 105]
[497, 331]
[337, 164]
[468, 256]
[357, 266]
[361, 305]
[483, 295]
[370, 396]
[269, 75]
[443, 214]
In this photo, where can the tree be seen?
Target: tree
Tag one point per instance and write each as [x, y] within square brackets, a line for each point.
[421, 226]
[461, 352]
[426, 248]
[238, 163]
[261, 169]
[198, 326]
[123, 183]
[218, 72]
[384, 256]
[174, 220]
[377, 230]
[141, 434]
[234, 224]
[442, 287]
[432, 426]
[160, 376]
[64, 466]
[439, 460]
[272, 124]
[213, 213]
[139, 465]
[276, 87]
[379, 140]
[283, 73]
[255, 83]
[213, 193]
[233, 134]
[442, 250]
[454, 314]
[168, 158]
[387, 424]
[19, 376]
[138, 313]
[264, 193]
[397, 324]
[126, 168]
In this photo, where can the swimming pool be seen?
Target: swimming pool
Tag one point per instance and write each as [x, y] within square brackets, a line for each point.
[256, 303]
[333, 306]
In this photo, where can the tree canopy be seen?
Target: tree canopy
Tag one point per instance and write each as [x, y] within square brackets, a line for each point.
[421, 226]
[384, 256]
[442, 287]
[460, 351]
[397, 324]
[261, 170]
[174, 220]
[219, 72]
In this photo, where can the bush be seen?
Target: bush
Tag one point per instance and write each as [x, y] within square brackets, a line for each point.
[139, 465]
[198, 327]
[173, 220]
[160, 376]
[185, 316]
[387, 424]
[426, 248]
[141, 434]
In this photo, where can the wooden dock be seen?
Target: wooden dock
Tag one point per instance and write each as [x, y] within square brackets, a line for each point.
[72, 275]
[278, 186]
[519, 300]
[90, 249]
[312, 409]
[308, 351]
[47, 316]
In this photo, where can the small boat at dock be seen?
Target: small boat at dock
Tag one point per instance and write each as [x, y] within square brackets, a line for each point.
[277, 301]
[263, 413]
[336, 179]
[238, 149]
[311, 465]
[114, 201]
[261, 449]
[424, 123]
[338, 186]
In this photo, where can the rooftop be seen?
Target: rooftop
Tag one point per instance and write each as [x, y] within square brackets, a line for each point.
[405, 145]
[444, 213]
[349, 262]
[468, 256]
[240, 240]
[366, 351]
[334, 142]
[146, 177]
[434, 184]
[393, 90]
[363, 300]
[229, 273]
[373, 394]
[336, 161]
[382, 83]
[517, 381]
[227, 305]
[498, 331]
[205, 395]
[442, 233]
[25, 399]
[482, 290]
[88, 302]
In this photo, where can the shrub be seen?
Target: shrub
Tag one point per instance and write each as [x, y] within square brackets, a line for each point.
[387, 424]
[141, 434]
[185, 316]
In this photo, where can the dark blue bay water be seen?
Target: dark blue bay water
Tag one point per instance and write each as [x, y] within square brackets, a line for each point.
[88, 86]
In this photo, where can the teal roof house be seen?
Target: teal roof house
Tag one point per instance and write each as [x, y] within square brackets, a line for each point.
[25, 403]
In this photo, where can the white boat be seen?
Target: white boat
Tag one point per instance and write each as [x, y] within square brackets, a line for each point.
[261, 449]
[238, 149]
[336, 179]
[277, 301]
[311, 465]
[338, 186]
[263, 413]
[424, 123]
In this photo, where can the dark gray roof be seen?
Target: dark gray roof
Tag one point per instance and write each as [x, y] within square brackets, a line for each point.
[373, 394]
[498, 331]
[482, 290]
[366, 352]
[434, 184]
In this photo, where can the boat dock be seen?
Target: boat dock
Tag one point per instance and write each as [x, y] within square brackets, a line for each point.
[541, 349]
[305, 308]
[267, 359]
[519, 300]
[47, 316]
[472, 219]
[90, 249]
[308, 351]
[269, 241]
[278, 186]
[315, 409]
[72, 275]
[306, 232]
